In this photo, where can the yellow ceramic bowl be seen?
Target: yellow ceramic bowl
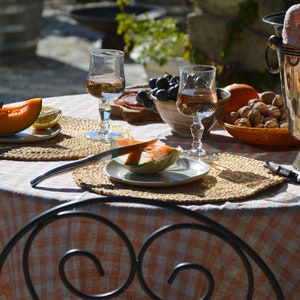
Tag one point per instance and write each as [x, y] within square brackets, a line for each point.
[262, 137]
[180, 124]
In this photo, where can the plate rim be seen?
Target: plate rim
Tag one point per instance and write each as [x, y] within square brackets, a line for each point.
[31, 137]
[157, 184]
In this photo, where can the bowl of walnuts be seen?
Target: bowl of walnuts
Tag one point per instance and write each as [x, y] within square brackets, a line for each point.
[261, 121]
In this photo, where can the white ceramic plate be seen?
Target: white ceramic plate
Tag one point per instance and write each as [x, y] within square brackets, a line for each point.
[31, 135]
[182, 172]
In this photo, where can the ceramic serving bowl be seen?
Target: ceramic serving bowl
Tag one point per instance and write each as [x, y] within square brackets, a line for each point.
[180, 124]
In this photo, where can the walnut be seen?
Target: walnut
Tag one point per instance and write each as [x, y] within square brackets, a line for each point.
[243, 122]
[271, 124]
[231, 117]
[278, 101]
[283, 125]
[267, 97]
[251, 102]
[269, 118]
[243, 111]
[283, 114]
[259, 125]
[255, 117]
[262, 108]
[275, 112]
[267, 111]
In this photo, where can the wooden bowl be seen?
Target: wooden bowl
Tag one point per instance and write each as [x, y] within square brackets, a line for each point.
[262, 137]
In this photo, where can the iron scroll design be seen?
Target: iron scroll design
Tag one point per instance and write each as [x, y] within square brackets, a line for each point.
[70, 209]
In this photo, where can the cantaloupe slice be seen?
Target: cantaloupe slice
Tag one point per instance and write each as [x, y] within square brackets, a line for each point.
[153, 159]
[14, 119]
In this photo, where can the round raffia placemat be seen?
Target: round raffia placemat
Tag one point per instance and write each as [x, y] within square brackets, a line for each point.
[69, 144]
[230, 178]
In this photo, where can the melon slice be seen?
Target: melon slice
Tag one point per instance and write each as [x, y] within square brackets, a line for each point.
[14, 119]
[153, 159]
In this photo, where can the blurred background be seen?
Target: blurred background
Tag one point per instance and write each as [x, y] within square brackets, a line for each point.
[61, 60]
[44, 49]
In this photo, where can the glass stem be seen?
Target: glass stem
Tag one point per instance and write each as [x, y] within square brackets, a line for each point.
[197, 130]
[104, 112]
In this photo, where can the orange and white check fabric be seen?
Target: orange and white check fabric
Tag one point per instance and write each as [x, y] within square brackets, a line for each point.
[269, 222]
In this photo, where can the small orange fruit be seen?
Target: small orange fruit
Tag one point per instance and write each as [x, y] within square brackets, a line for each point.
[241, 93]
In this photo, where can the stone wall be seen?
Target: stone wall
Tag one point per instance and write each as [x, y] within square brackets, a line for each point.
[208, 35]
[206, 20]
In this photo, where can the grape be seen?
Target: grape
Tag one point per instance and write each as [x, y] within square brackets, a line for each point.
[175, 79]
[162, 95]
[152, 83]
[200, 83]
[162, 83]
[148, 103]
[168, 76]
[172, 92]
[190, 81]
[165, 87]
[154, 91]
[141, 96]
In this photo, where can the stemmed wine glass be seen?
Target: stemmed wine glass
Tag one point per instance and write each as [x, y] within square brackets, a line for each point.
[197, 98]
[105, 81]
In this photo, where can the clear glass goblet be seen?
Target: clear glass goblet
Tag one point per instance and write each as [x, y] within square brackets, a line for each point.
[105, 81]
[197, 98]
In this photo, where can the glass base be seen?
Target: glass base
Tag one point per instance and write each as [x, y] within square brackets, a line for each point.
[200, 155]
[106, 137]
[194, 153]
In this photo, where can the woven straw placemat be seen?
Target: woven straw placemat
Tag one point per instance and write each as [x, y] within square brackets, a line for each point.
[69, 144]
[230, 178]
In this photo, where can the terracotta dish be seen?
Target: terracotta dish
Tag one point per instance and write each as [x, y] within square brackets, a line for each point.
[262, 137]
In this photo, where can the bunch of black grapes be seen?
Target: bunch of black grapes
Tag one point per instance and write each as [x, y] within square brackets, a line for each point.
[163, 88]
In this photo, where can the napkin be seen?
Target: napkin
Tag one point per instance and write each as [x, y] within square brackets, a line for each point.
[291, 27]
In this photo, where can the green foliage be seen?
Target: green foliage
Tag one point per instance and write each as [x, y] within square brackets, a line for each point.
[154, 39]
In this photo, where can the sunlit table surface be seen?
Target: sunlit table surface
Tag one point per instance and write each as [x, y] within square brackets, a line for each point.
[269, 221]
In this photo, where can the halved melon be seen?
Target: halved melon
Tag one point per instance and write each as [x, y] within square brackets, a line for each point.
[14, 119]
[153, 159]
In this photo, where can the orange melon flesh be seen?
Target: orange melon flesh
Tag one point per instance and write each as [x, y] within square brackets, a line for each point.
[124, 141]
[14, 119]
[161, 152]
[12, 108]
[134, 157]
[150, 160]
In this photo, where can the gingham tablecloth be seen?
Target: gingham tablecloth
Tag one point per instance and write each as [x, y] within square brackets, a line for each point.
[269, 222]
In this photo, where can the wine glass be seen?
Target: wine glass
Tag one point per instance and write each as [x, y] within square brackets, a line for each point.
[197, 98]
[105, 81]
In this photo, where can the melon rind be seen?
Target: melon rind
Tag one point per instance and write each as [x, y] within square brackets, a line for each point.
[155, 166]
